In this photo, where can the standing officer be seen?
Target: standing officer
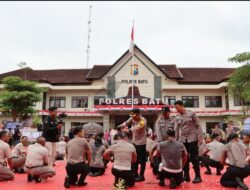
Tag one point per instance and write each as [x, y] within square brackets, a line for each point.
[51, 132]
[19, 155]
[163, 123]
[5, 153]
[77, 163]
[36, 164]
[189, 132]
[138, 129]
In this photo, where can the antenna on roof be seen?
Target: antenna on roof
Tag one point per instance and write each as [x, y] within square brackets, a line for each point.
[88, 43]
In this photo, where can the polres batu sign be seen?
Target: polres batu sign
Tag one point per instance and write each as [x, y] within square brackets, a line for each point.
[136, 101]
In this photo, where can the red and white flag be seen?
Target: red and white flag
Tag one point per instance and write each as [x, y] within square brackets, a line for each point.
[131, 48]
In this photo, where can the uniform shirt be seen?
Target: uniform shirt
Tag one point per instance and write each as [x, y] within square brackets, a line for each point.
[61, 147]
[37, 155]
[171, 154]
[215, 150]
[122, 155]
[138, 129]
[97, 155]
[77, 148]
[5, 152]
[161, 127]
[236, 154]
[50, 131]
[18, 150]
[187, 127]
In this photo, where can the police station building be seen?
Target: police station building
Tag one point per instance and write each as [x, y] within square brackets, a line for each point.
[106, 93]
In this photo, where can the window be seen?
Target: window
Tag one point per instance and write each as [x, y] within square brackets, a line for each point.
[191, 101]
[170, 100]
[237, 101]
[209, 126]
[79, 102]
[58, 102]
[213, 101]
[99, 99]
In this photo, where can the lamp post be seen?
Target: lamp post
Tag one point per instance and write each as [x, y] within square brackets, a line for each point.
[23, 65]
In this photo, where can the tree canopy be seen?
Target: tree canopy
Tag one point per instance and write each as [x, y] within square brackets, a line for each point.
[19, 96]
[240, 57]
[239, 82]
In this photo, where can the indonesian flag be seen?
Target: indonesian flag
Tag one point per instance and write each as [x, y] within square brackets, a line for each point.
[131, 48]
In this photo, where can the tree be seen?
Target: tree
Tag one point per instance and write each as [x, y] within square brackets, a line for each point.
[19, 96]
[239, 81]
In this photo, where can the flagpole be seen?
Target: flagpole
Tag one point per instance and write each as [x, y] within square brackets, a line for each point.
[133, 70]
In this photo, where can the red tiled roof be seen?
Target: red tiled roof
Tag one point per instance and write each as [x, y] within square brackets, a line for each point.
[171, 71]
[85, 76]
[205, 75]
[98, 71]
[65, 76]
[25, 73]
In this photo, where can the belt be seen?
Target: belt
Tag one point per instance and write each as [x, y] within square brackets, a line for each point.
[32, 167]
[3, 164]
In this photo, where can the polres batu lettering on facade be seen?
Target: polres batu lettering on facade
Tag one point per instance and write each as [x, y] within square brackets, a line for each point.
[142, 81]
[136, 101]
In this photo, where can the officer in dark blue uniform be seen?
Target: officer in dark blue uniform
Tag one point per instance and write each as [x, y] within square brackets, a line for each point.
[51, 132]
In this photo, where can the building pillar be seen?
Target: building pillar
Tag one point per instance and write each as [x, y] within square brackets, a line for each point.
[106, 121]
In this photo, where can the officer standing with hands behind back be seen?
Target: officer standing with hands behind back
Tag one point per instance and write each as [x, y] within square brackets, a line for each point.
[51, 132]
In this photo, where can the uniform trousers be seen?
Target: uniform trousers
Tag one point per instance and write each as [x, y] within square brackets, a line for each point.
[178, 177]
[51, 146]
[126, 175]
[228, 178]
[192, 149]
[210, 162]
[74, 169]
[141, 159]
[18, 162]
[97, 171]
[42, 171]
[6, 173]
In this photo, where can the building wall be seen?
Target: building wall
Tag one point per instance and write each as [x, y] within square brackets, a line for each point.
[201, 93]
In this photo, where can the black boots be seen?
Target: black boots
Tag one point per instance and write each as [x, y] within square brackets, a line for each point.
[29, 178]
[241, 184]
[197, 179]
[66, 182]
[81, 181]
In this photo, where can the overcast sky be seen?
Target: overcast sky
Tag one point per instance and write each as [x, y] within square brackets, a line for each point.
[53, 35]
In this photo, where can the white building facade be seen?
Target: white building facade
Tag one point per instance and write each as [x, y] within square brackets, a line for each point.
[106, 93]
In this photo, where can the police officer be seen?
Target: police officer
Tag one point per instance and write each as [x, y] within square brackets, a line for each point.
[214, 149]
[163, 123]
[138, 129]
[19, 155]
[189, 132]
[79, 158]
[239, 168]
[161, 126]
[124, 154]
[36, 164]
[5, 153]
[174, 157]
[51, 132]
